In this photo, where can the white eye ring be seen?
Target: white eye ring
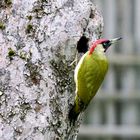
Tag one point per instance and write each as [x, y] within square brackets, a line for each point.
[104, 43]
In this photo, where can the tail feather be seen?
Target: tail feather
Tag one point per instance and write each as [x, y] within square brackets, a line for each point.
[73, 115]
[76, 109]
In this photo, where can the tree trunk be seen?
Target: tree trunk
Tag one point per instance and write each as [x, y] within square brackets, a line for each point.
[38, 41]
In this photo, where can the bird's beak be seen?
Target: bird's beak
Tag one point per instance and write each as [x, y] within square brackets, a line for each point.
[115, 40]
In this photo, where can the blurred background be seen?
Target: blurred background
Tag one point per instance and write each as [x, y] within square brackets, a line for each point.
[114, 114]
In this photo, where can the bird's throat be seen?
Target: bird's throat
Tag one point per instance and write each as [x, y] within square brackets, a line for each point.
[99, 49]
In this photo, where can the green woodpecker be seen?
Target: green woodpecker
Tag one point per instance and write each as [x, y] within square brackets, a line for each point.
[89, 74]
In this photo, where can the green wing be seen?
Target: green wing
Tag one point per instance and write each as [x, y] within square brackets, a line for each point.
[90, 75]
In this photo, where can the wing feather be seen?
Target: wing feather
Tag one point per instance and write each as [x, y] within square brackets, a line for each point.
[90, 74]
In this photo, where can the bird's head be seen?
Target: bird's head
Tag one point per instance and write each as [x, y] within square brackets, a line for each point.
[104, 44]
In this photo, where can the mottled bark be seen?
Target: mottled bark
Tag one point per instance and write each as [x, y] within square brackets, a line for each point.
[38, 41]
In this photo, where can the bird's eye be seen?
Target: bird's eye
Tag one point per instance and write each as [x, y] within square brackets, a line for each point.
[105, 44]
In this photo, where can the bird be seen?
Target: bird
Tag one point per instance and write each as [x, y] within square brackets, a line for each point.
[89, 75]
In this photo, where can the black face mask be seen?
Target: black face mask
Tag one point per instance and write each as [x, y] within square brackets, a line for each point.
[106, 45]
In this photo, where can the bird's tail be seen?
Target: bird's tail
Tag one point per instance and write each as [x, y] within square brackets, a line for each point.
[73, 114]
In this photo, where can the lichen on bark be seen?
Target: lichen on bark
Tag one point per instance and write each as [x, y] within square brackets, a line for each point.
[38, 41]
